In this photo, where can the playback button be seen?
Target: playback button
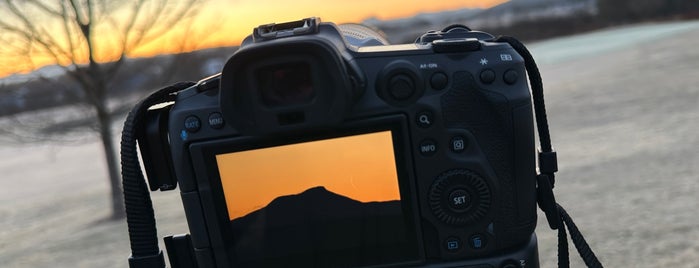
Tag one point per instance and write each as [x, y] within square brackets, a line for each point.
[452, 244]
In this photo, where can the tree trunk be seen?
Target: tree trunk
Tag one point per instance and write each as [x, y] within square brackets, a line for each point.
[105, 123]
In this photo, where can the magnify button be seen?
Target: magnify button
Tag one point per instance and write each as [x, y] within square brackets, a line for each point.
[424, 119]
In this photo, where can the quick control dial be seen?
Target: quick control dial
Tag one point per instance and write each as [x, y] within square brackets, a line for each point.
[459, 197]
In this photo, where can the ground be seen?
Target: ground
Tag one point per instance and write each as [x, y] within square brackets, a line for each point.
[624, 116]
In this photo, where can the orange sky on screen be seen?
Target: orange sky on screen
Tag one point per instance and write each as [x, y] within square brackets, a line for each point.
[360, 167]
[227, 22]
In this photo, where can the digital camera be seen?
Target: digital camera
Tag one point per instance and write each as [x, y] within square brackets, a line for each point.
[323, 146]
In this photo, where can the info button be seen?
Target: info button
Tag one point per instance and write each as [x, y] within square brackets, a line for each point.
[428, 147]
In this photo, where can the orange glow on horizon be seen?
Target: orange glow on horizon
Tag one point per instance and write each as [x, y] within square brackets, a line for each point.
[227, 23]
[360, 167]
[238, 20]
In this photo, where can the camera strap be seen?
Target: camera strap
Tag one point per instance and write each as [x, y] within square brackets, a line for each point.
[140, 217]
[556, 216]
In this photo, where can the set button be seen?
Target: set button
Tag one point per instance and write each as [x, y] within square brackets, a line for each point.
[459, 200]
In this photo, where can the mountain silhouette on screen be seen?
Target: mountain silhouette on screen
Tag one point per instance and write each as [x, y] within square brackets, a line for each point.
[319, 226]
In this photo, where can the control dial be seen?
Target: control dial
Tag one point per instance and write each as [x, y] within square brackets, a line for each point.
[459, 197]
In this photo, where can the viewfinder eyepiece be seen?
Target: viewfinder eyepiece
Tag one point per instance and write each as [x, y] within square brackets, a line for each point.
[285, 84]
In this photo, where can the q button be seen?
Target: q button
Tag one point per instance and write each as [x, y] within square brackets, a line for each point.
[424, 119]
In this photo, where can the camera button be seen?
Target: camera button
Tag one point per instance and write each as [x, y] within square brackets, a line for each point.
[401, 87]
[424, 119]
[459, 200]
[458, 144]
[510, 77]
[439, 80]
[452, 244]
[487, 76]
[216, 120]
[192, 124]
[477, 241]
[428, 147]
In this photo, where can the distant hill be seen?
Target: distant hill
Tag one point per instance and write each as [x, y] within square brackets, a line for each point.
[319, 226]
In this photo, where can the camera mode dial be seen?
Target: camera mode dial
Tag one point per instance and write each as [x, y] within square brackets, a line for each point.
[454, 32]
[459, 197]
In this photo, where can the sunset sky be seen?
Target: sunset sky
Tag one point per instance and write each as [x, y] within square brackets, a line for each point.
[360, 167]
[240, 16]
[227, 22]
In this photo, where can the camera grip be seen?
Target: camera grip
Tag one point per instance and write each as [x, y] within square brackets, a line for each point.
[489, 117]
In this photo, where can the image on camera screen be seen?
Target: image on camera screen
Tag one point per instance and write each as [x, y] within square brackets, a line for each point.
[334, 202]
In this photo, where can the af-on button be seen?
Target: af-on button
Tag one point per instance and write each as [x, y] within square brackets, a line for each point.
[439, 80]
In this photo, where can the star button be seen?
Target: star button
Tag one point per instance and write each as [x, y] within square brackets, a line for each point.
[484, 61]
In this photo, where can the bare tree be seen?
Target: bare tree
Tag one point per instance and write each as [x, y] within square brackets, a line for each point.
[90, 40]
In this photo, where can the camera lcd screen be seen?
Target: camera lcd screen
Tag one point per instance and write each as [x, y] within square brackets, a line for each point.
[326, 203]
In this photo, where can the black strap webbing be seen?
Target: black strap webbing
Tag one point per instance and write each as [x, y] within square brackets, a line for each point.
[556, 216]
[140, 217]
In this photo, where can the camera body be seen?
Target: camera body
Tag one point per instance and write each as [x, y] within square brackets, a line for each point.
[318, 147]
